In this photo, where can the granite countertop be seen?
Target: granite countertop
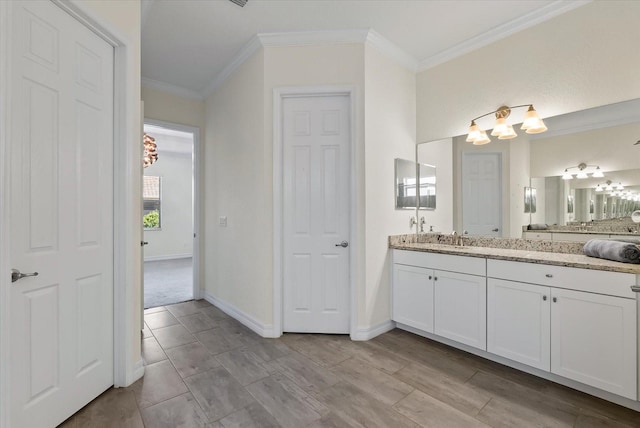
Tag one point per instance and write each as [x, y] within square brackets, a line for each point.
[587, 232]
[528, 256]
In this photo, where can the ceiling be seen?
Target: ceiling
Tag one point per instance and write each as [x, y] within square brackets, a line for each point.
[186, 44]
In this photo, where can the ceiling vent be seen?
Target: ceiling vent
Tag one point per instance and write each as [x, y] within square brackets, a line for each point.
[240, 3]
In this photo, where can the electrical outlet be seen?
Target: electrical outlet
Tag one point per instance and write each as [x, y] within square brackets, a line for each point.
[223, 221]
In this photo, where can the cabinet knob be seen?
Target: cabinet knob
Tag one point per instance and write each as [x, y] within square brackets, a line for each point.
[435, 278]
[549, 275]
[544, 298]
[555, 299]
[430, 277]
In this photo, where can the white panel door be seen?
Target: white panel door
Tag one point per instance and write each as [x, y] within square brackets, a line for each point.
[593, 340]
[316, 159]
[413, 296]
[61, 215]
[518, 322]
[461, 308]
[482, 193]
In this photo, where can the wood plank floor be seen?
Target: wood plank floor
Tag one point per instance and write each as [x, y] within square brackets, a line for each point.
[204, 369]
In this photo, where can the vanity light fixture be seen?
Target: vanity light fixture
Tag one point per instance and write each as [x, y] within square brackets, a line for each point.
[620, 187]
[599, 188]
[583, 171]
[609, 186]
[532, 124]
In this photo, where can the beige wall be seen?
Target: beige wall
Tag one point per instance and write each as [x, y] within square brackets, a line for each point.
[585, 58]
[390, 124]
[123, 19]
[237, 258]
[172, 108]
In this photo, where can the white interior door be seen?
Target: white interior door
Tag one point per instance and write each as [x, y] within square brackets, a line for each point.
[482, 193]
[316, 159]
[61, 324]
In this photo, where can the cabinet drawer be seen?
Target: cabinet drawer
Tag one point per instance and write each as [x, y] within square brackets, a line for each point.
[594, 281]
[574, 237]
[462, 264]
[538, 235]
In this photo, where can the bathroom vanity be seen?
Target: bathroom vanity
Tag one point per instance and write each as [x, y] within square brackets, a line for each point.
[566, 317]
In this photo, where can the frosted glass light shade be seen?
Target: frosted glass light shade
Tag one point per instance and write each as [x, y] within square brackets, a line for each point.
[532, 123]
[597, 173]
[598, 188]
[508, 133]
[566, 175]
[482, 139]
[582, 174]
[620, 187]
[500, 127]
[474, 133]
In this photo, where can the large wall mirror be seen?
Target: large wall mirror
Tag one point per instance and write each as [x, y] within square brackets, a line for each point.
[606, 136]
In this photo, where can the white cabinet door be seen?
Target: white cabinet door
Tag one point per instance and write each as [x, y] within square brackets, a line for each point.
[461, 308]
[413, 296]
[593, 340]
[518, 322]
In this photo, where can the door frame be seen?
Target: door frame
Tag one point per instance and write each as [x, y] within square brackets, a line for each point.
[127, 366]
[279, 95]
[197, 156]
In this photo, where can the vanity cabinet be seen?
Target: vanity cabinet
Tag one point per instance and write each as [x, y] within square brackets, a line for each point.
[413, 296]
[461, 308]
[580, 325]
[441, 294]
[519, 322]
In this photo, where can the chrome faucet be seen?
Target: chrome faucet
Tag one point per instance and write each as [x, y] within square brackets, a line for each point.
[422, 222]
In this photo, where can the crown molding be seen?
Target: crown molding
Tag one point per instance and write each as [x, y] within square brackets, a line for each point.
[392, 51]
[171, 89]
[545, 13]
[244, 54]
[312, 38]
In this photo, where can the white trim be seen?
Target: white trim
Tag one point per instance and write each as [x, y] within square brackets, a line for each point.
[605, 395]
[530, 19]
[197, 196]
[392, 51]
[167, 257]
[138, 369]
[279, 94]
[171, 89]
[264, 330]
[5, 245]
[313, 38]
[371, 332]
[243, 55]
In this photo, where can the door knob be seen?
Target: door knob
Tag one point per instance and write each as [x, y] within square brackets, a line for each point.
[143, 243]
[16, 275]
[343, 244]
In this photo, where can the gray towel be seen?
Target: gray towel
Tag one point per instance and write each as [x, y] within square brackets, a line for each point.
[537, 227]
[612, 250]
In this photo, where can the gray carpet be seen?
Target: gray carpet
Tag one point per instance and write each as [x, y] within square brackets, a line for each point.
[167, 282]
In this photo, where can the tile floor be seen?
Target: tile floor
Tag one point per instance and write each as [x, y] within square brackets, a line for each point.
[204, 369]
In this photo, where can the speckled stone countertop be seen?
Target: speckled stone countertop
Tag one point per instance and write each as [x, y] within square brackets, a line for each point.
[520, 250]
[586, 232]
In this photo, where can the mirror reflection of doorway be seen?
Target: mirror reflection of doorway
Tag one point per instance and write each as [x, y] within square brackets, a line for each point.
[168, 218]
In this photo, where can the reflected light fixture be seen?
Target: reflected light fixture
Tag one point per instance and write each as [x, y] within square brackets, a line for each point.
[582, 170]
[150, 150]
[532, 124]
[620, 187]
[599, 188]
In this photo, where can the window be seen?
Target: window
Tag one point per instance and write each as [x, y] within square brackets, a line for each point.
[151, 202]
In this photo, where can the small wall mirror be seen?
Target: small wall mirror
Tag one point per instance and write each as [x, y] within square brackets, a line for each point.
[408, 173]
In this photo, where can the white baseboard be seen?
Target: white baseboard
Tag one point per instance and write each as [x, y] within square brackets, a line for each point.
[133, 374]
[264, 330]
[371, 332]
[167, 257]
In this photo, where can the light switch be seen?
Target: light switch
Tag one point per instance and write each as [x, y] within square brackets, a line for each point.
[223, 221]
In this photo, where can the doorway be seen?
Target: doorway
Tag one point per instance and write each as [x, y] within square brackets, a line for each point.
[313, 191]
[482, 194]
[168, 196]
